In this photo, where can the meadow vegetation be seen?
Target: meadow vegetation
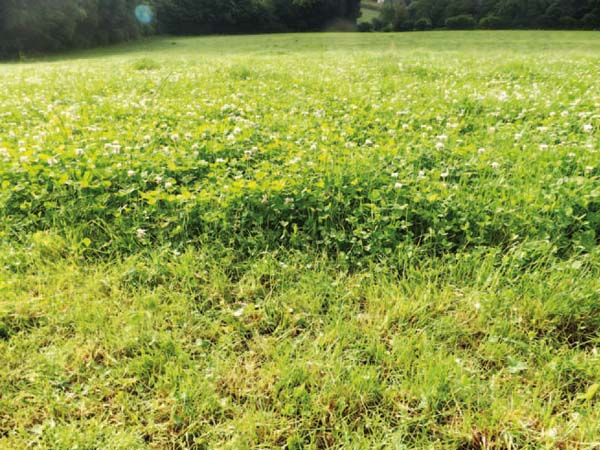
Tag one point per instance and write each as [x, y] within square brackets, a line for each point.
[303, 241]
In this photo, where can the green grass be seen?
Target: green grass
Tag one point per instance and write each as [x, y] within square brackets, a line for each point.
[303, 241]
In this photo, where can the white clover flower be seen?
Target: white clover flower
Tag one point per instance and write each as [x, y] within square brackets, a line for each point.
[398, 185]
[481, 150]
[140, 232]
[52, 161]
[394, 174]
[168, 185]
[79, 151]
[175, 137]
[158, 179]
[147, 138]
[543, 147]
[444, 174]
[23, 159]
[588, 128]
[439, 145]
[495, 165]
[130, 173]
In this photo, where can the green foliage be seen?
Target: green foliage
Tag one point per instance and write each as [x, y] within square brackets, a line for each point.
[491, 23]
[423, 24]
[41, 25]
[462, 22]
[253, 16]
[365, 27]
[377, 24]
[433, 11]
[496, 14]
[395, 15]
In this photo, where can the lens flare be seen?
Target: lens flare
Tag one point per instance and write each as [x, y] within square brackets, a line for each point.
[144, 14]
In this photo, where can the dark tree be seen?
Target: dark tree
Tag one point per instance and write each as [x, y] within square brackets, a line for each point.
[494, 14]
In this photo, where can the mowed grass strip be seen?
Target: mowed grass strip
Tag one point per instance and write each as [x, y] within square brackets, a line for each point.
[303, 241]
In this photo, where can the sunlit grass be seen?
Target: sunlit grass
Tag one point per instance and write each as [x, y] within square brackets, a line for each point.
[303, 241]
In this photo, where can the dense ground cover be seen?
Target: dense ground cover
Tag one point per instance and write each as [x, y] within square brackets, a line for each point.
[317, 241]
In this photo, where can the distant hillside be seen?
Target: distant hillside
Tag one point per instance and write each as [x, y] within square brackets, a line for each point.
[369, 10]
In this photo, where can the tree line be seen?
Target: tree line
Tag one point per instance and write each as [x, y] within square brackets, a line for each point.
[46, 25]
[404, 15]
[253, 16]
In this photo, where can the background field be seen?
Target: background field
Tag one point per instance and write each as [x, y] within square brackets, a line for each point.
[303, 241]
[369, 10]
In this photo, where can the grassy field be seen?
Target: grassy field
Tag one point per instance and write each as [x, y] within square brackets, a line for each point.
[303, 241]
